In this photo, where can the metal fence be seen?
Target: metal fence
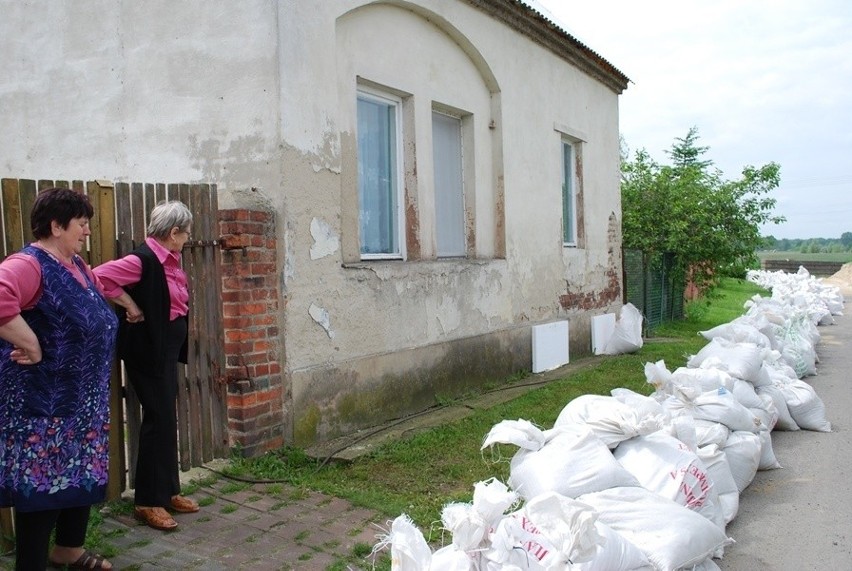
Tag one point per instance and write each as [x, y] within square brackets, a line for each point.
[653, 288]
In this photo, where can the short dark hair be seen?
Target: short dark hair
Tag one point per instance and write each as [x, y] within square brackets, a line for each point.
[60, 204]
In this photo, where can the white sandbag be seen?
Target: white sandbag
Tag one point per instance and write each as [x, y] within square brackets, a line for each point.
[491, 499]
[767, 412]
[469, 523]
[777, 368]
[468, 529]
[657, 375]
[610, 419]
[805, 406]
[743, 453]
[785, 422]
[718, 405]
[555, 532]
[522, 433]
[797, 349]
[760, 322]
[768, 460]
[451, 558]
[645, 406]
[723, 481]
[671, 536]
[683, 429]
[627, 334]
[763, 375]
[409, 550]
[573, 461]
[738, 331]
[741, 360]
[745, 394]
[708, 379]
[710, 432]
[665, 465]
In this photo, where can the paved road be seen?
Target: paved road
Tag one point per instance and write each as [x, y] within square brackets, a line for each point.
[799, 518]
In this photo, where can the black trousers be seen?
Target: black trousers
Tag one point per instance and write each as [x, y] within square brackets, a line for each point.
[32, 534]
[157, 477]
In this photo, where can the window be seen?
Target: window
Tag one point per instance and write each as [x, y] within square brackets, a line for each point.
[379, 176]
[569, 195]
[449, 185]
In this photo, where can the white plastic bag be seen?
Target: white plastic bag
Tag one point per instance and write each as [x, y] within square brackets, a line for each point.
[723, 480]
[555, 532]
[743, 453]
[627, 335]
[571, 462]
[741, 360]
[665, 465]
[671, 536]
[409, 550]
[805, 406]
[610, 419]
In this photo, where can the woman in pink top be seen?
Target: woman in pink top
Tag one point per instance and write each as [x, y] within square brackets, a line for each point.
[57, 340]
[152, 341]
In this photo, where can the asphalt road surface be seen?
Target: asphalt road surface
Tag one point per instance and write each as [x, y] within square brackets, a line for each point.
[799, 517]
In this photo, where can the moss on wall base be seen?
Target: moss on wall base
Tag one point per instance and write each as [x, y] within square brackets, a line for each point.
[347, 397]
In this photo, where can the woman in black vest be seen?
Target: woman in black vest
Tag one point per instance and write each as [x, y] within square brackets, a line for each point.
[152, 341]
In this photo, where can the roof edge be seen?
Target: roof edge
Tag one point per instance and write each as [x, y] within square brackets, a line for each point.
[530, 22]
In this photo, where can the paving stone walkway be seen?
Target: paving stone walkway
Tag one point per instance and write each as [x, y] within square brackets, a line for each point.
[261, 527]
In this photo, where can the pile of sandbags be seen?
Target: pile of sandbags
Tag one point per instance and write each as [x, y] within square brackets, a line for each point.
[633, 482]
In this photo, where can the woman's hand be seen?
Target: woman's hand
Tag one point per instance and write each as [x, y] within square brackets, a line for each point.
[26, 356]
[26, 347]
[134, 314]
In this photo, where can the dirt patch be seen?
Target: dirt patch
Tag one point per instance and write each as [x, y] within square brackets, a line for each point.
[842, 279]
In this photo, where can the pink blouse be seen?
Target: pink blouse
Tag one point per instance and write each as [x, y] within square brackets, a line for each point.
[20, 284]
[116, 274]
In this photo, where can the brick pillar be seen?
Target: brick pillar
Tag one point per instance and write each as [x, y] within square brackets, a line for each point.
[252, 344]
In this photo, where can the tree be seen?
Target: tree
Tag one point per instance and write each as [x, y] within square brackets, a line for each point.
[711, 225]
[846, 239]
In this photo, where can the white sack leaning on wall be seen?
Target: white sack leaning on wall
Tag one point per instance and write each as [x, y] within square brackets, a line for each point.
[627, 335]
[633, 482]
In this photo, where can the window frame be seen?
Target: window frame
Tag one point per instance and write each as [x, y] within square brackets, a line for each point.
[379, 96]
[569, 191]
[462, 251]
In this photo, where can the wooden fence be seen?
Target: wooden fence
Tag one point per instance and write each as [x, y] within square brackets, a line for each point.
[118, 226]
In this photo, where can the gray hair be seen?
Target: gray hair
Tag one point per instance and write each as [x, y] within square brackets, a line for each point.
[167, 215]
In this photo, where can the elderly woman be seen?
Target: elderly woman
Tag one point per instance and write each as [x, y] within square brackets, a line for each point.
[151, 342]
[57, 339]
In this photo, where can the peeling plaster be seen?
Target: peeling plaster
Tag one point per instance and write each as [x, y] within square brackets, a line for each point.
[320, 315]
[326, 242]
[226, 160]
[327, 157]
[318, 168]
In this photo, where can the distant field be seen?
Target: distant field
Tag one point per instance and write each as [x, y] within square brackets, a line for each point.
[842, 257]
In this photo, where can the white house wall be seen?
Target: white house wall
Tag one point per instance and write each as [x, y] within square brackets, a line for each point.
[152, 91]
[377, 325]
[258, 97]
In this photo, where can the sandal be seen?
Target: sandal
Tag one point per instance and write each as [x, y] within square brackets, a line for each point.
[184, 505]
[158, 518]
[87, 560]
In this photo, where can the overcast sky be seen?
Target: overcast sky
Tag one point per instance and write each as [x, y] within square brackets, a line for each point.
[762, 80]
